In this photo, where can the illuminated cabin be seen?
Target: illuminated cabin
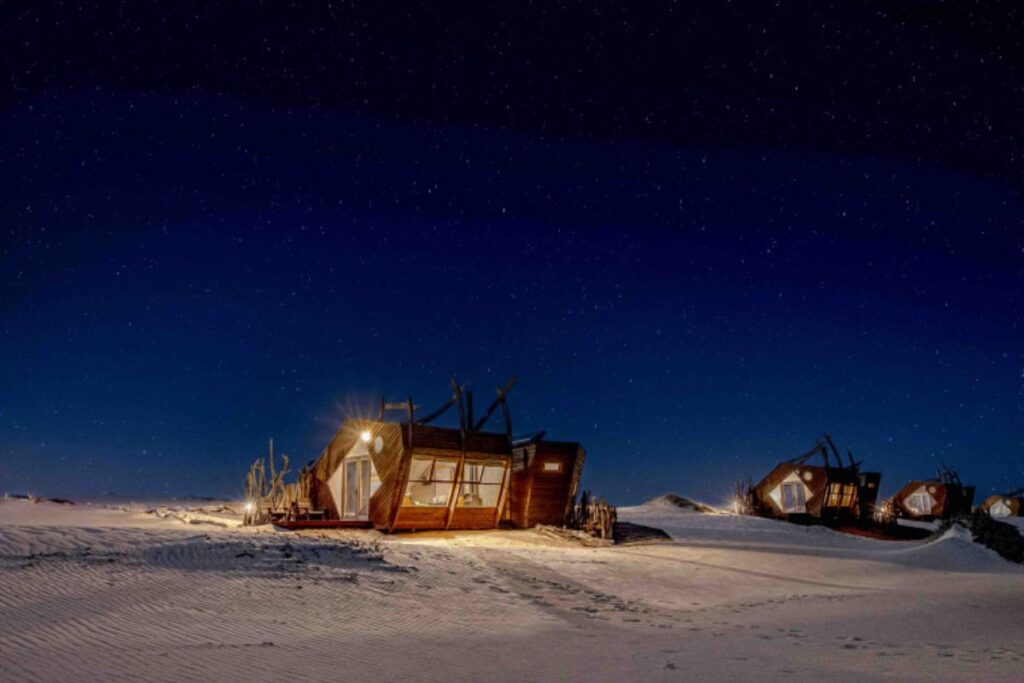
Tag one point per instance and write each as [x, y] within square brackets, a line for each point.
[939, 498]
[1004, 505]
[795, 489]
[373, 474]
[414, 476]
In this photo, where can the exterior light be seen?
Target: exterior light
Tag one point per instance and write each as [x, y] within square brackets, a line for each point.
[248, 506]
[366, 436]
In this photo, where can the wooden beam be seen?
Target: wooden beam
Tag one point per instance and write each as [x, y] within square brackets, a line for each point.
[835, 451]
[411, 413]
[430, 417]
[801, 459]
[502, 393]
[506, 484]
[508, 420]
[402, 476]
[460, 468]
[457, 395]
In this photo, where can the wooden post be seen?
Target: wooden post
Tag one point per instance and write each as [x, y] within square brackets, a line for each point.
[457, 484]
[508, 419]
[460, 405]
[506, 484]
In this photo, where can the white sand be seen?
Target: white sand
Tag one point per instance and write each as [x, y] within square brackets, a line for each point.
[94, 593]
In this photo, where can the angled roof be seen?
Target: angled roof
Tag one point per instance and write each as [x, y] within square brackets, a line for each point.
[450, 438]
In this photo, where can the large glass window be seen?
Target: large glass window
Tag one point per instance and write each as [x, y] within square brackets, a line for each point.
[841, 495]
[793, 496]
[430, 481]
[481, 483]
[921, 503]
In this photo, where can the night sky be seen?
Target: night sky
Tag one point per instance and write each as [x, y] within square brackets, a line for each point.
[701, 234]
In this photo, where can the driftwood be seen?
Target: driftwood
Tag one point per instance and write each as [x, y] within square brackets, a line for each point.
[502, 395]
[743, 497]
[594, 516]
[264, 497]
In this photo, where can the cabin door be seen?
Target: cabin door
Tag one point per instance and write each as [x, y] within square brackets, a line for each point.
[357, 488]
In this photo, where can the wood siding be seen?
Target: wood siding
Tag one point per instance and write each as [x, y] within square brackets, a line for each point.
[319, 493]
[519, 488]
[472, 518]
[392, 468]
[420, 517]
[537, 496]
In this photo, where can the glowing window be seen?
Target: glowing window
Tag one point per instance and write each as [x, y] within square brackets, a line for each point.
[921, 503]
[552, 467]
[841, 495]
[430, 482]
[481, 483]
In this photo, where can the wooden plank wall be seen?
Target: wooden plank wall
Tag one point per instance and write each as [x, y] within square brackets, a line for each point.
[392, 467]
[549, 491]
[574, 484]
[472, 518]
[424, 517]
[540, 497]
[519, 488]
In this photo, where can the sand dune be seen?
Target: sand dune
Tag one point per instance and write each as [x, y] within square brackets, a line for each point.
[100, 593]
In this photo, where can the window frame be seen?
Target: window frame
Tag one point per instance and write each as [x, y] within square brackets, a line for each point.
[475, 486]
[799, 497]
[917, 498]
[840, 495]
[431, 480]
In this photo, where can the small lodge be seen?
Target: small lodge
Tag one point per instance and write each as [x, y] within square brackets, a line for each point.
[411, 475]
[830, 491]
[943, 497]
[1005, 505]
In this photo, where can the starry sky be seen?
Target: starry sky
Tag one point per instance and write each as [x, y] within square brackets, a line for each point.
[701, 234]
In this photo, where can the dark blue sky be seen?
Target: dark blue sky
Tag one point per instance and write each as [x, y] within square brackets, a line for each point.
[693, 269]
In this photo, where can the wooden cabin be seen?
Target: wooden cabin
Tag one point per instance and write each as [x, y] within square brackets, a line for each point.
[394, 476]
[415, 476]
[1005, 505]
[795, 489]
[929, 499]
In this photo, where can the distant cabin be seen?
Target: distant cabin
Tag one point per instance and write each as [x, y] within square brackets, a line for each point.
[795, 489]
[1005, 505]
[394, 476]
[930, 499]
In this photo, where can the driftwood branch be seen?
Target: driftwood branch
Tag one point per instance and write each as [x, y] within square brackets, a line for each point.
[502, 394]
